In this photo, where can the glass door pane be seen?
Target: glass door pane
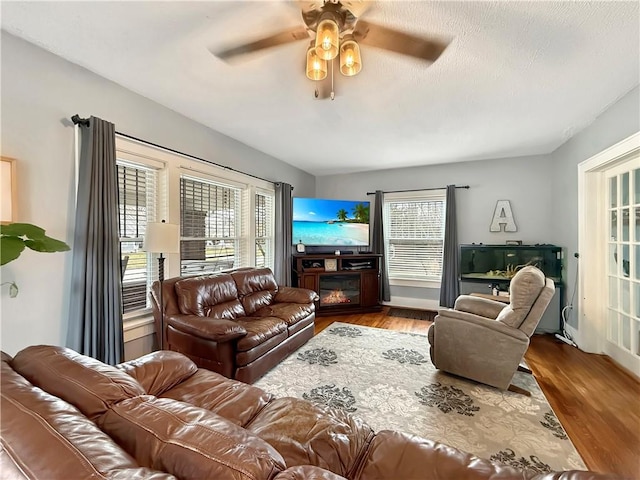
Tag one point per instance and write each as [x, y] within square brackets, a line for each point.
[623, 258]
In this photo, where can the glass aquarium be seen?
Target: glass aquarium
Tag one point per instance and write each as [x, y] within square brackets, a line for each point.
[501, 262]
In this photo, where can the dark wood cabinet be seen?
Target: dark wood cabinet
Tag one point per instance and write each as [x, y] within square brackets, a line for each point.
[345, 283]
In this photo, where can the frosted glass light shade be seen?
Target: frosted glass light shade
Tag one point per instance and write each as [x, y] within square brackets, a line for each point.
[350, 61]
[327, 39]
[316, 66]
[162, 238]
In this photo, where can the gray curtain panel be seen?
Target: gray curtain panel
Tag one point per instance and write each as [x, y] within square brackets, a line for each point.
[377, 245]
[449, 288]
[283, 225]
[95, 314]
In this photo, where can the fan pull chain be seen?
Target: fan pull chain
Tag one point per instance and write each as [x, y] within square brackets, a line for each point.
[333, 93]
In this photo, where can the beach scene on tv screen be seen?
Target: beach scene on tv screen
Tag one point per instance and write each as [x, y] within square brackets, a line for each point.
[319, 221]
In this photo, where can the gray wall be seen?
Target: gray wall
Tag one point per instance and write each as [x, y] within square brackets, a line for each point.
[525, 181]
[40, 91]
[618, 122]
[543, 190]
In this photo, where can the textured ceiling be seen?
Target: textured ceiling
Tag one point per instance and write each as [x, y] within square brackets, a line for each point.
[518, 78]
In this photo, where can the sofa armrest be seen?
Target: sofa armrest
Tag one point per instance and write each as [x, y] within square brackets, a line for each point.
[160, 371]
[295, 295]
[477, 320]
[479, 306]
[216, 329]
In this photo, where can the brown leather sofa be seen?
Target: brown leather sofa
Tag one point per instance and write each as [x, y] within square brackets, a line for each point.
[240, 324]
[68, 416]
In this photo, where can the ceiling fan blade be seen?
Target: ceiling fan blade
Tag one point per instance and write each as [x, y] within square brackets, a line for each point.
[280, 38]
[307, 6]
[357, 7]
[374, 35]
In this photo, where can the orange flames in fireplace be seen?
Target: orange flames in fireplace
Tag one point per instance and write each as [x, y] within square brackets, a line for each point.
[335, 296]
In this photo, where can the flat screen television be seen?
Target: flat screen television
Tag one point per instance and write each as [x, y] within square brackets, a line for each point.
[330, 223]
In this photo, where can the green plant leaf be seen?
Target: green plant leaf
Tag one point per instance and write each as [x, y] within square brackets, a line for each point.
[47, 244]
[22, 230]
[10, 249]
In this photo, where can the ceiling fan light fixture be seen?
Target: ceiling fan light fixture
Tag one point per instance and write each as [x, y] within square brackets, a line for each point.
[350, 60]
[327, 39]
[316, 66]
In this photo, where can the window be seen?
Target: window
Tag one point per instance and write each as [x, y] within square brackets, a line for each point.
[210, 227]
[137, 206]
[414, 236]
[226, 218]
[264, 213]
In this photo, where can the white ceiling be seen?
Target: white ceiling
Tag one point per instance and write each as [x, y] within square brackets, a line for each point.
[518, 78]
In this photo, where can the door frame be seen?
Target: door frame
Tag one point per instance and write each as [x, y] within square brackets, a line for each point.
[592, 192]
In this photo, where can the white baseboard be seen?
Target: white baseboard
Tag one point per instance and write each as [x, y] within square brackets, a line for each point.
[410, 302]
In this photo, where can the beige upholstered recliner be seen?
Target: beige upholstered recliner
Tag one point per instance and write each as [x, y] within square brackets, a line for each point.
[485, 340]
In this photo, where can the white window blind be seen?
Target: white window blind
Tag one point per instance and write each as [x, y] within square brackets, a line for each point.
[210, 227]
[137, 206]
[264, 220]
[414, 235]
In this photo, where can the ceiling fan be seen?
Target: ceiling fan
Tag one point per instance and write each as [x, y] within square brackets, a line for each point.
[337, 31]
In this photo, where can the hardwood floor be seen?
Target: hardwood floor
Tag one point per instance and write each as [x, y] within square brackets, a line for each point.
[597, 402]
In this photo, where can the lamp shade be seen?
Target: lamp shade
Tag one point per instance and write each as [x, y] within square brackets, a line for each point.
[350, 61]
[162, 237]
[316, 66]
[327, 39]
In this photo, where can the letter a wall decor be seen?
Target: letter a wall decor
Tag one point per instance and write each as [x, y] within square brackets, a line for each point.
[503, 215]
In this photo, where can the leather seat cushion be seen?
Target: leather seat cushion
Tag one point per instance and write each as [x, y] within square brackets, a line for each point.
[399, 455]
[305, 434]
[296, 327]
[214, 296]
[233, 400]
[245, 358]
[187, 441]
[260, 330]
[289, 312]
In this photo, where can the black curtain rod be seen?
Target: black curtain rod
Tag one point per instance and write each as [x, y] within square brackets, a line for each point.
[420, 189]
[85, 121]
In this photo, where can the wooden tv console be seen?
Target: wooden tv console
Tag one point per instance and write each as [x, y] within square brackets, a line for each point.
[344, 283]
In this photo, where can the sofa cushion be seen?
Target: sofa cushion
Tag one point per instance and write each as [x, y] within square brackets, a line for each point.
[257, 288]
[46, 437]
[214, 296]
[157, 372]
[233, 400]
[85, 382]
[260, 330]
[398, 455]
[524, 289]
[246, 357]
[306, 434]
[291, 313]
[188, 442]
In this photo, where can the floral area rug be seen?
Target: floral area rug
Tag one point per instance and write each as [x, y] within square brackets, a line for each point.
[387, 379]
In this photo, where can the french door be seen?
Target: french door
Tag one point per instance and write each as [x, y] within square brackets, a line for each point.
[609, 245]
[623, 261]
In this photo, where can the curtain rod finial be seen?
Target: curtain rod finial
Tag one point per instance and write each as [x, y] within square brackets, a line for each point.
[79, 121]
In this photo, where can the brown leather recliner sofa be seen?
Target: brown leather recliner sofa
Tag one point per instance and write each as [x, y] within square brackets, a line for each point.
[240, 324]
[68, 416]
